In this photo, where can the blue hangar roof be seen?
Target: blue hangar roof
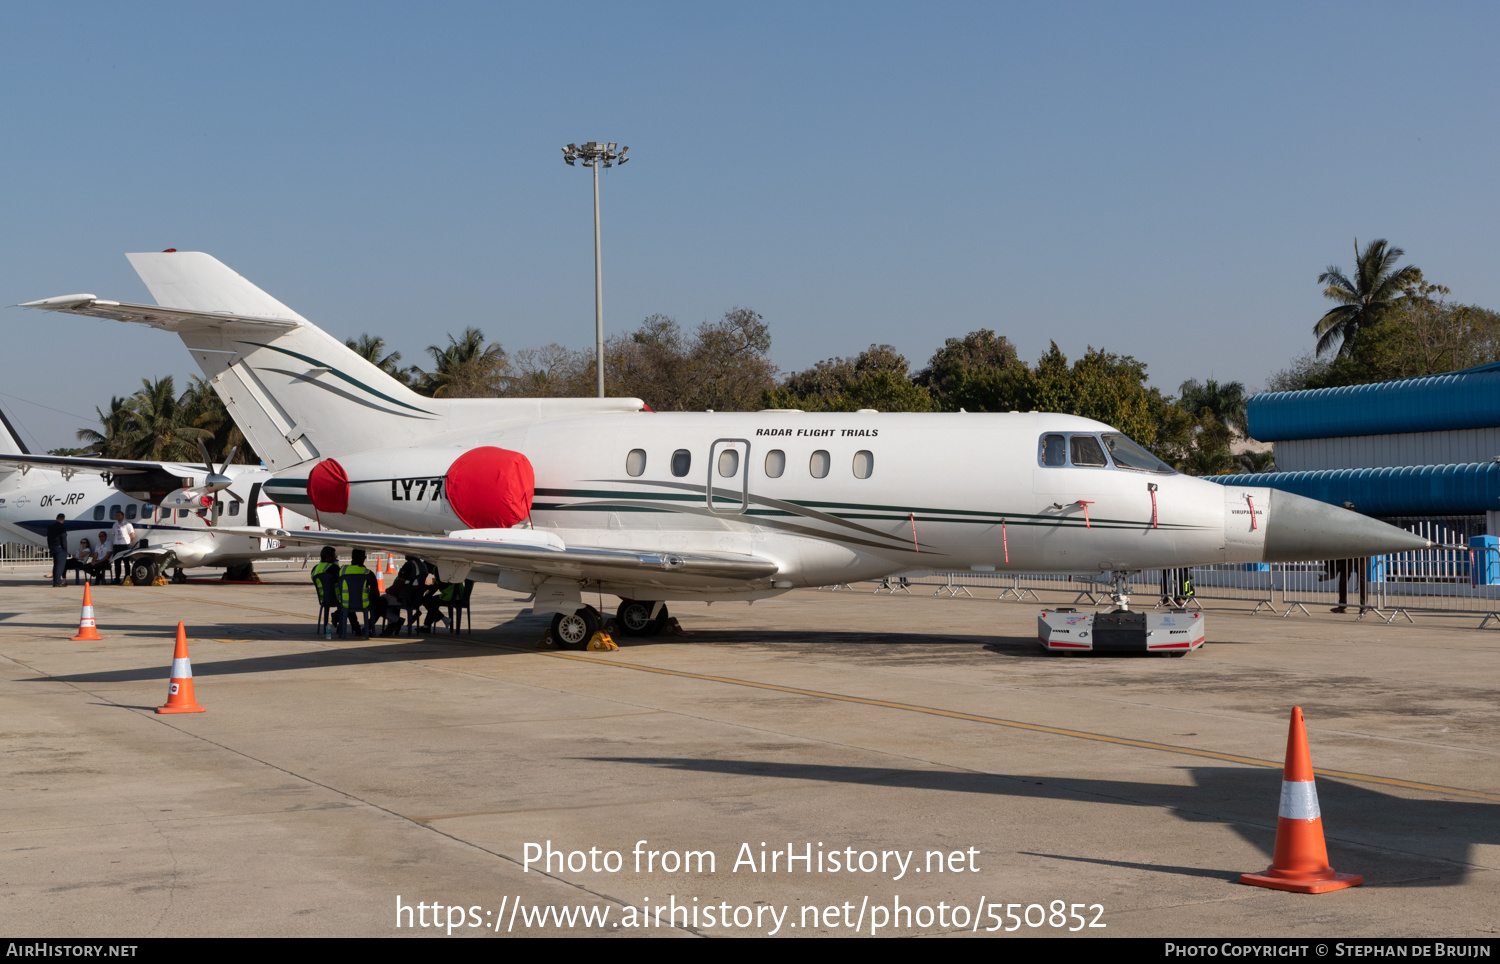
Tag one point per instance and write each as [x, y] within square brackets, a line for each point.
[1414, 490]
[1463, 399]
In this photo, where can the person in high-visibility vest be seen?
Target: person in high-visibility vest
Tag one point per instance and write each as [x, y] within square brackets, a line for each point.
[328, 561]
[366, 598]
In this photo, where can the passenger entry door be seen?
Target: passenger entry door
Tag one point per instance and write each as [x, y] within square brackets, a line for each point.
[728, 490]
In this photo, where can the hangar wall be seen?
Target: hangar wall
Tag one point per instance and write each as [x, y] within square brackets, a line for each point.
[1421, 453]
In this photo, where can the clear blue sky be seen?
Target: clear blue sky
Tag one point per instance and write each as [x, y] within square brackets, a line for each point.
[1161, 180]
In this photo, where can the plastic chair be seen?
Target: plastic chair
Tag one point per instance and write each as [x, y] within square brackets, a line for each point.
[459, 606]
[327, 585]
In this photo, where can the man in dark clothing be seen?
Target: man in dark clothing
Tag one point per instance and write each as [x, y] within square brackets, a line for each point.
[57, 543]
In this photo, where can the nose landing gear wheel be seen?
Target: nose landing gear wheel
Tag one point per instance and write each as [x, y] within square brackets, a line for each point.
[634, 618]
[574, 630]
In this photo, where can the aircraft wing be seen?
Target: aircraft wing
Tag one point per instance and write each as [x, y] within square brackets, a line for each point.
[540, 552]
[84, 463]
[167, 319]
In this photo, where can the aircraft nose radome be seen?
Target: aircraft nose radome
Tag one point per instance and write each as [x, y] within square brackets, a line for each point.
[1299, 528]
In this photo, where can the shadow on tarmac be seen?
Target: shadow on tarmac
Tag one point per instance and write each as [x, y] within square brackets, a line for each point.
[1393, 841]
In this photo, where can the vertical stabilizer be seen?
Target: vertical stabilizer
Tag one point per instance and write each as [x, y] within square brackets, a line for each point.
[297, 393]
[10, 439]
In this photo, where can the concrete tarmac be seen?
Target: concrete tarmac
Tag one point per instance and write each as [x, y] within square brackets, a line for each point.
[344, 787]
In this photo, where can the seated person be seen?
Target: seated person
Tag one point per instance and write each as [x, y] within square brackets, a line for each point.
[439, 596]
[328, 559]
[82, 560]
[405, 593]
[99, 570]
[368, 591]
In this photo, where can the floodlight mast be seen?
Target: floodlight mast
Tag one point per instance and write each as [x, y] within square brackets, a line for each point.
[594, 154]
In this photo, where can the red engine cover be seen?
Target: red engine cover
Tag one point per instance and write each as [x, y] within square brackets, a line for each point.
[490, 488]
[328, 487]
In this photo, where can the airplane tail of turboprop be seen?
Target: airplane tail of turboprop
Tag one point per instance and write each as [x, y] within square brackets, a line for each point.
[10, 444]
[296, 392]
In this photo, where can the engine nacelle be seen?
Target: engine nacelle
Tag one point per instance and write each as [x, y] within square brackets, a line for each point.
[425, 490]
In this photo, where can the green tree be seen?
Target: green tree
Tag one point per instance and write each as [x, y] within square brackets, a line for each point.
[1224, 403]
[205, 410]
[729, 362]
[1376, 286]
[162, 425]
[372, 349]
[876, 378]
[119, 435]
[978, 373]
[466, 368]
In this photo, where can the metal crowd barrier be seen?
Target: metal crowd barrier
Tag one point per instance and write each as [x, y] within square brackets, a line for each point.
[24, 554]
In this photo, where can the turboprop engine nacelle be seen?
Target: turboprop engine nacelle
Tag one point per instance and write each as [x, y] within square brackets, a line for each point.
[187, 499]
[425, 490]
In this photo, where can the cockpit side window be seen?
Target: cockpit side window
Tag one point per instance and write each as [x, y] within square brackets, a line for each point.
[1128, 455]
[1054, 450]
[1086, 451]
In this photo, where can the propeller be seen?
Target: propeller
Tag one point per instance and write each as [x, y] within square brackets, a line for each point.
[215, 480]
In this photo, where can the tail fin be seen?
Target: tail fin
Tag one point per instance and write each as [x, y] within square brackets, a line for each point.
[296, 392]
[10, 439]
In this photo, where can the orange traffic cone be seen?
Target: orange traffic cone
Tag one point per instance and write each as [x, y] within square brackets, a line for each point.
[390, 565]
[180, 689]
[1300, 863]
[379, 581]
[87, 629]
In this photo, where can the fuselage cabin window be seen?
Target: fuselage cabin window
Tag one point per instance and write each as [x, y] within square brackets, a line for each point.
[1054, 450]
[1088, 451]
[130, 511]
[819, 463]
[775, 463]
[98, 513]
[864, 464]
[682, 461]
[147, 511]
[635, 462]
[234, 508]
[729, 463]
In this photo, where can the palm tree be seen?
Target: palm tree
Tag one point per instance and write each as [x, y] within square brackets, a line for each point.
[118, 436]
[162, 425]
[467, 368]
[372, 349]
[1224, 402]
[1257, 462]
[1376, 287]
[203, 408]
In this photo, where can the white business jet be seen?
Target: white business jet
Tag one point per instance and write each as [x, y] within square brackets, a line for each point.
[178, 509]
[571, 496]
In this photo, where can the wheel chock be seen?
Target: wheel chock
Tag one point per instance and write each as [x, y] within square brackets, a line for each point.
[601, 643]
[673, 628]
[128, 582]
[611, 626]
[546, 641]
[160, 581]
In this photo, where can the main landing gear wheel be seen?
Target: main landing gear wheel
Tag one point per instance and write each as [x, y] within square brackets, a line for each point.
[634, 617]
[574, 630]
[142, 573]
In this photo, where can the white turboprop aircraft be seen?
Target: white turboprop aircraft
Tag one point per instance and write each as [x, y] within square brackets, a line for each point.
[653, 507]
[176, 508]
